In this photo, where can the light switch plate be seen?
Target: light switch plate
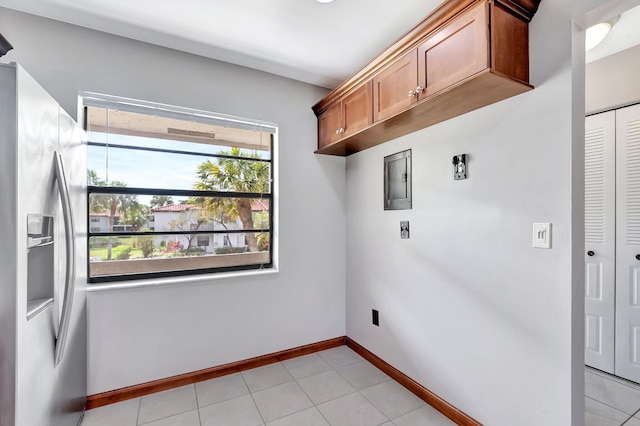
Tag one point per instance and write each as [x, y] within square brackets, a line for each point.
[542, 235]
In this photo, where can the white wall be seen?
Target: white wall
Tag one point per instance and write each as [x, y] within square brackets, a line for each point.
[143, 334]
[612, 82]
[467, 307]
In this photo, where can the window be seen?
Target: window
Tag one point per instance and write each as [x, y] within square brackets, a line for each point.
[203, 240]
[176, 191]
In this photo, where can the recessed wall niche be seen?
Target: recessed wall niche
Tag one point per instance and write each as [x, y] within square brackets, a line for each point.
[397, 181]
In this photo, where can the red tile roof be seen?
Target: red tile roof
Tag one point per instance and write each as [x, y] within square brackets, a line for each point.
[175, 208]
[259, 205]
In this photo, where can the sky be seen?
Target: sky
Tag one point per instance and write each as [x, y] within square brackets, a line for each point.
[145, 169]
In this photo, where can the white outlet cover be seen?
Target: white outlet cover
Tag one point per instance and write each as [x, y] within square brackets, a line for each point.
[541, 235]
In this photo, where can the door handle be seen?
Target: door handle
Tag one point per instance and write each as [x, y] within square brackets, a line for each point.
[63, 189]
[591, 253]
[638, 256]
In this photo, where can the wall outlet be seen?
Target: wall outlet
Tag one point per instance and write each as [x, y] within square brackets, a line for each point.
[375, 318]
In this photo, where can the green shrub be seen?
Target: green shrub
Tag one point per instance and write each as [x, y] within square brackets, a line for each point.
[229, 249]
[194, 251]
[123, 254]
[146, 243]
[263, 241]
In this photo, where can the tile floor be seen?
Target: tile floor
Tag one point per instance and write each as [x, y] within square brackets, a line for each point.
[335, 387]
[610, 401]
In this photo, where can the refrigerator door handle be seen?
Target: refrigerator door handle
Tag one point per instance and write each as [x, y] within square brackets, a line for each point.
[70, 244]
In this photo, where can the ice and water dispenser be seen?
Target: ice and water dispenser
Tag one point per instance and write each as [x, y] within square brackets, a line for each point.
[40, 264]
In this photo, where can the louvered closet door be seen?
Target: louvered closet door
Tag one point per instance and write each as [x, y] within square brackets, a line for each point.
[600, 241]
[628, 243]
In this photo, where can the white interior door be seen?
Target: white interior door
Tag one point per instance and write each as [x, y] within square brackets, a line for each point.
[627, 362]
[600, 241]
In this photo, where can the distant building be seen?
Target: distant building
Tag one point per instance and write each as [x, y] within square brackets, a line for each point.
[183, 217]
[99, 222]
[189, 217]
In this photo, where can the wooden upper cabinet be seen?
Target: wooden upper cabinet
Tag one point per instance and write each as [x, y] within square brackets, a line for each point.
[329, 125]
[454, 53]
[346, 116]
[465, 55]
[394, 87]
[357, 110]
[509, 44]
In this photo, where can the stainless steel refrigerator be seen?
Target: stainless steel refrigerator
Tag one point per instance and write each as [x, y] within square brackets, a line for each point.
[42, 257]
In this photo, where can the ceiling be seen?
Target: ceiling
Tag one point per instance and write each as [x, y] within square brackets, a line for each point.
[624, 34]
[320, 44]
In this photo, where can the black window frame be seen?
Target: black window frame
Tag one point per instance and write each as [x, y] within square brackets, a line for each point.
[268, 196]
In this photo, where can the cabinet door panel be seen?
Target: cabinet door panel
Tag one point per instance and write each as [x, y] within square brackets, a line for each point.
[392, 86]
[358, 111]
[456, 52]
[329, 123]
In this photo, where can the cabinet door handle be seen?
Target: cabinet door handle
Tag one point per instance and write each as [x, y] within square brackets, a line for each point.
[411, 93]
[340, 130]
[590, 253]
[638, 256]
[419, 89]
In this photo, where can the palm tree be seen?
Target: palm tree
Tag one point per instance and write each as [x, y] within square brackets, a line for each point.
[135, 214]
[160, 201]
[237, 175]
[111, 203]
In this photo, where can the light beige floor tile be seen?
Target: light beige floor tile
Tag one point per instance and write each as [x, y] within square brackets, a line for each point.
[123, 413]
[362, 374]
[281, 401]
[306, 366]
[392, 399]
[325, 386]
[309, 417]
[239, 411]
[190, 418]
[351, 410]
[633, 421]
[612, 392]
[266, 377]
[340, 356]
[167, 403]
[599, 414]
[425, 416]
[220, 389]
[612, 377]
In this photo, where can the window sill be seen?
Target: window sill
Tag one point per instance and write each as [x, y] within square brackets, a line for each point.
[180, 280]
